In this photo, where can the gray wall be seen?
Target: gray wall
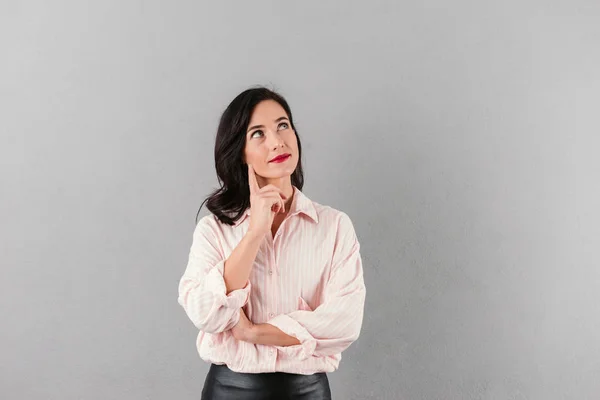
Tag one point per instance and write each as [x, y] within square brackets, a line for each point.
[459, 136]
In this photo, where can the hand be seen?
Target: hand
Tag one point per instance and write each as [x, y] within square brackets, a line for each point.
[243, 329]
[265, 202]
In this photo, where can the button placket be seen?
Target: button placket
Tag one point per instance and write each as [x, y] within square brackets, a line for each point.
[272, 282]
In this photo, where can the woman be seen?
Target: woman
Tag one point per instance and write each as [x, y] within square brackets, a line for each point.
[274, 280]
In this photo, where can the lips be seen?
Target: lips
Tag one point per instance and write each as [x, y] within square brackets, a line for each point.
[281, 158]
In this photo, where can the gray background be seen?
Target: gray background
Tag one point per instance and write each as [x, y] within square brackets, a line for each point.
[461, 137]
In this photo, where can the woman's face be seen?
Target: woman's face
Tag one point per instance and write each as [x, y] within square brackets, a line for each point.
[269, 135]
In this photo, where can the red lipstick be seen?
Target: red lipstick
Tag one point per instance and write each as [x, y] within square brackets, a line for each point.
[281, 158]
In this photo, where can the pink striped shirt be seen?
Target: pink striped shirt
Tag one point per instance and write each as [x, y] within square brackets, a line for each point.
[307, 281]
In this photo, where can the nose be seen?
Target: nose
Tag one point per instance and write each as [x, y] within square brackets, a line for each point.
[275, 141]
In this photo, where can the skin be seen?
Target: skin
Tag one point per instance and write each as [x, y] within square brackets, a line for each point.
[269, 134]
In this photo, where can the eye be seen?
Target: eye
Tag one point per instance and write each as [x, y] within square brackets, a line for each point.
[255, 132]
[283, 125]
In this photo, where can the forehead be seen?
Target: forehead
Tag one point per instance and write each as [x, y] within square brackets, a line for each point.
[267, 111]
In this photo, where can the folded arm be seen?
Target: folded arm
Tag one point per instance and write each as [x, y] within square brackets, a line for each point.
[336, 323]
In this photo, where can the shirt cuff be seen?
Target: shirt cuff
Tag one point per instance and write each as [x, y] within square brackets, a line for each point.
[291, 327]
[235, 299]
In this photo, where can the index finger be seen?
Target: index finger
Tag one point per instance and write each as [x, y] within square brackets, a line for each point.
[252, 182]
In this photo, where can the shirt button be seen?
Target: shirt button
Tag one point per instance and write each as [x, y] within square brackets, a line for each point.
[270, 272]
[271, 351]
[271, 315]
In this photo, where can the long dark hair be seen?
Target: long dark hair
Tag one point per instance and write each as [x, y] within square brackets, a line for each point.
[229, 202]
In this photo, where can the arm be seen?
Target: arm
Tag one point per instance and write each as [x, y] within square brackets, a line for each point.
[203, 291]
[271, 335]
[267, 334]
[336, 323]
[239, 264]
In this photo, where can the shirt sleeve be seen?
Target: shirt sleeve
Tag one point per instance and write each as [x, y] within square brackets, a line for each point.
[336, 323]
[202, 291]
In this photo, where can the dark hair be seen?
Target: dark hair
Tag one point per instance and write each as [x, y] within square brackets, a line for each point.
[229, 202]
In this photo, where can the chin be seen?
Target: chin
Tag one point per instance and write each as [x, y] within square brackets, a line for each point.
[278, 176]
[278, 172]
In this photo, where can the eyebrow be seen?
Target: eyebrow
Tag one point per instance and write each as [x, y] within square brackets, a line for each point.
[262, 126]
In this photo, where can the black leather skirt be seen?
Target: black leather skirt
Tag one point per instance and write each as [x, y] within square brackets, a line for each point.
[224, 384]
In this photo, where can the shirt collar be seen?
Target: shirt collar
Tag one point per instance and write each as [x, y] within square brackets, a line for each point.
[300, 205]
